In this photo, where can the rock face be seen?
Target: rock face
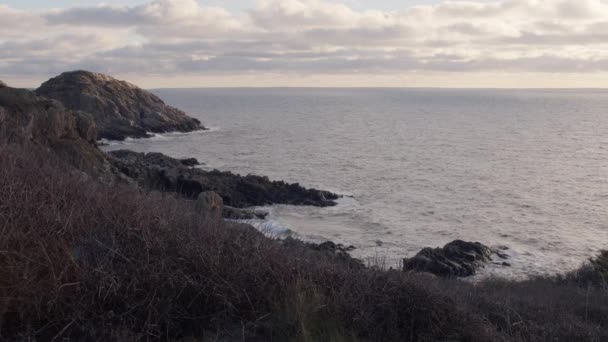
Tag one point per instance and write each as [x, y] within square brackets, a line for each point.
[28, 118]
[157, 171]
[2, 84]
[456, 259]
[120, 109]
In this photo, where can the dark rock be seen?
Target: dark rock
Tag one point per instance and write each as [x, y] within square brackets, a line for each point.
[456, 259]
[501, 254]
[329, 248]
[160, 172]
[190, 162]
[243, 214]
[2, 84]
[119, 109]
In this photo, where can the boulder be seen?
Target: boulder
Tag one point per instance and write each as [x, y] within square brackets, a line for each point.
[332, 247]
[456, 259]
[119, 109]
[190, 162]
[210, 205]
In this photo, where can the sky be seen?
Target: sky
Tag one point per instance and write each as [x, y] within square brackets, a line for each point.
[313, 43]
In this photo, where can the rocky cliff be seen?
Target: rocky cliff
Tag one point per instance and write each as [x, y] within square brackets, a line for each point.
[120, 109]
[28, 118]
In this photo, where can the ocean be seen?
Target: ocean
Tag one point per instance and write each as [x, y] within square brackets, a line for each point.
[525, 169]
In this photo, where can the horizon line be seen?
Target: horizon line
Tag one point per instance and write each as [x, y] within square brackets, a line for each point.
[380, 87]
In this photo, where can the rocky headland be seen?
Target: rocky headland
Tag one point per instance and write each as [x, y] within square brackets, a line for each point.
[68, 113]
[120, 109]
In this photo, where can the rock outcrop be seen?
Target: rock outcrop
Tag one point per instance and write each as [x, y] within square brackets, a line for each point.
[456, 259]
[190, 162]
[328, 248]
[160, 172]
[210, 205]
[2, 84]
[28, 118]
[120, 109]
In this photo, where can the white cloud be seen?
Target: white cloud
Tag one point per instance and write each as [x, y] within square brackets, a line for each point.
[183, 37]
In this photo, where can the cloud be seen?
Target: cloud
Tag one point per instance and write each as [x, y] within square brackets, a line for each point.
[179, 37]
[302, 14]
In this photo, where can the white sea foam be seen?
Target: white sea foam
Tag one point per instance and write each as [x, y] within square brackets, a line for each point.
[155, 137]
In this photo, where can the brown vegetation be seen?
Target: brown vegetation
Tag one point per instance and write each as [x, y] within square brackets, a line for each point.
[84, 261]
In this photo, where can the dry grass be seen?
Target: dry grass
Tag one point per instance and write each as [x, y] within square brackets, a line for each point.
[84, 261]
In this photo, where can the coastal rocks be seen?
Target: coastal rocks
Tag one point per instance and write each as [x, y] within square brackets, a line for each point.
[120, 109]
[160, 172]
[232, 213]
[190, 162]
[210, 205]
[332, 247]
[328, 248]
[456, 259]
[26, 118]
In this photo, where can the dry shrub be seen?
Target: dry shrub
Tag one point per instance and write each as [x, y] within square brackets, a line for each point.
[81, 260]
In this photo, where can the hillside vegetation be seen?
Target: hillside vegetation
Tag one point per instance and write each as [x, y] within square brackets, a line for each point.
[84, 261]
[92, 250]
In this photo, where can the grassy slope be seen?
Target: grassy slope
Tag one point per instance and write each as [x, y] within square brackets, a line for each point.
[83, 261]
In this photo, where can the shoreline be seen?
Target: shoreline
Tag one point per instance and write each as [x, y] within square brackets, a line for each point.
[274, 228]
[391, 256]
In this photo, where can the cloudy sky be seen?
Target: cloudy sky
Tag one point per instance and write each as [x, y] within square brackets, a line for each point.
[416, 43]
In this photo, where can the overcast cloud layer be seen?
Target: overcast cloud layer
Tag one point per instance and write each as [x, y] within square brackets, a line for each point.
[292, 38]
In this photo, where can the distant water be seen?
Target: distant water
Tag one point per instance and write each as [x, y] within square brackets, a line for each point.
[527, 169]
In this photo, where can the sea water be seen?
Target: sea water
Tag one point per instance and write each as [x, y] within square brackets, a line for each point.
[527, 169]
